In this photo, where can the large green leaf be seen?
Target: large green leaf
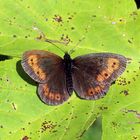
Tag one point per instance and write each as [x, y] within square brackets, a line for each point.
[108, 26]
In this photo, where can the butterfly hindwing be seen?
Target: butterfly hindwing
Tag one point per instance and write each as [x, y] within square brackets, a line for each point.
[54, 92]
[92, 74]
[48, 70]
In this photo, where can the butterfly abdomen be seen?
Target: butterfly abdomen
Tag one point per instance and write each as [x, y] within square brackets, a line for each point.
[68, 71]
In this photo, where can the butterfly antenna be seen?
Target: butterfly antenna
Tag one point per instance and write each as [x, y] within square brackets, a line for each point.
[53, 43]
[73, 49]
[42, 37]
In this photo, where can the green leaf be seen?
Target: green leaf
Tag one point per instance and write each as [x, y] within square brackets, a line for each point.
[108, 26]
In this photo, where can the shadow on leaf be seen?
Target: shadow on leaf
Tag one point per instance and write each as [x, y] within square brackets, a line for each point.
[23, 75]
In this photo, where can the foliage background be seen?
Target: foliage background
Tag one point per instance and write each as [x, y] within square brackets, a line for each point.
[108, 26]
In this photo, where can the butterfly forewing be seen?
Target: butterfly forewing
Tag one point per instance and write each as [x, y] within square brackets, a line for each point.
[48, 70]
[92, 74]
[39, 64]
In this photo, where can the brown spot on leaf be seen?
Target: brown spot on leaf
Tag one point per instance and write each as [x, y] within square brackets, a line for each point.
[14, 36]
[65, 38]
[72, 28]
[14, 106]
[47, 126]
[25, 138]
[122, 81]
[135, 137]
[57, 18]
[1, 126]
[125, 92]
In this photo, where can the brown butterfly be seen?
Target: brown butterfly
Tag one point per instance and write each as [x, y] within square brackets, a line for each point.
[90, 76]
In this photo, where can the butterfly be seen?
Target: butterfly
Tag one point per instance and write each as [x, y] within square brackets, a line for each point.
[89, 76]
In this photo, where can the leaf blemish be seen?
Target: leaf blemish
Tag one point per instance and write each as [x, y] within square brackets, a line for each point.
[14, 36]
[72, 28]
[135, 137]
[57, 18]
[10, 132]
[129, 82]
[7, 100]
[25, 138]
[68, 103]
[129, 41]
[23, 129]
[117, 102]
[54, 131]
[103, 108]
[122, 81]
[1, 126]
[125, 92]
[114, 124]
[133, 111]
[127, 71]
[70, 17]
[14, 106]
[47, 126]
[46, 19]
[28, 7]
[65, 38]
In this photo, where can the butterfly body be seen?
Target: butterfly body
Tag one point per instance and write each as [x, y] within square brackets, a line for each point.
[68, 72]
[90, 75]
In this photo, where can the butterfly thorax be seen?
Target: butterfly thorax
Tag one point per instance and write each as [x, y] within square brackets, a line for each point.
[68, 71]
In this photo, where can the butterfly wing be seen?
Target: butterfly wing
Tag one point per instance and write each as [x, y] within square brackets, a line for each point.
[54, 92]
[47, 69]
[39, 64]
[92, 74]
